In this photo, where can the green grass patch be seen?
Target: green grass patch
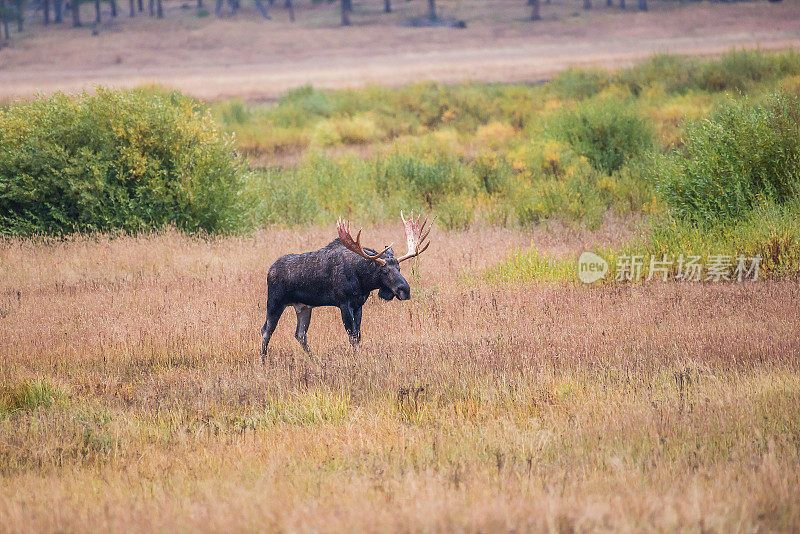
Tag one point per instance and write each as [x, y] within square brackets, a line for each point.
[531, 266]
[29, 395]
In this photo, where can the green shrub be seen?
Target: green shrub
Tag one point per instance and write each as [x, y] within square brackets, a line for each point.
[579, 84]
[282, 201]
[118, 160]
[769, 231]
[744, 154]
[302, 106]
[738, 70]
[428, 180]
[607, 131]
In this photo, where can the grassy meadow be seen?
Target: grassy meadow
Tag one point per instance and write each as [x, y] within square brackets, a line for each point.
[132, 399]
[504, 395]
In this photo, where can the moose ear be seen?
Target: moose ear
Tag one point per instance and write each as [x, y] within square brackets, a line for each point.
[389, 252]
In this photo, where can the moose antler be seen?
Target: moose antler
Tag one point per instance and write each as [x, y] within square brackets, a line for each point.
[355, 245]
[415, 236]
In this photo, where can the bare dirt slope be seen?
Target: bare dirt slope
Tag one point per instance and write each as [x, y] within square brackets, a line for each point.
[256, 59]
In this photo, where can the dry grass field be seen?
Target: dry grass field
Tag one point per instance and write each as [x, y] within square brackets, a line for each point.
[131, 399]
[248, 57]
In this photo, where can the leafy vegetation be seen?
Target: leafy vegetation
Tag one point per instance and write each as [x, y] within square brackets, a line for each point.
[745, 154]
[658, 140]
[118, 160]
[584, 144]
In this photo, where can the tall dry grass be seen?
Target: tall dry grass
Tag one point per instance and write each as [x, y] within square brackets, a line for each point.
[130, 398]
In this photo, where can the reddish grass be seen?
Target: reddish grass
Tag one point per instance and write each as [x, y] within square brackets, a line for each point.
[559, 407]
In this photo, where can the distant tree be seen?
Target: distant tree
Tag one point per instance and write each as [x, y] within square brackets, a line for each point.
[642, 5]
[159, 9]
[346, 7]
[140, 5]
[132, 12]
[58, 6]
[587, 4]
[4, 16]
[290, 7]
[432, 10]
[46, 11]
[263, 9]
[19, 7]
[113, 7]
[151, 8]
[387, 6]
[76, 13]
[534, 9]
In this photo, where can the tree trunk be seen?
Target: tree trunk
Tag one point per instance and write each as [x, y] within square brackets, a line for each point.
[20, 17]
[159, 9]
[133, 8]
[46, 14]
[140, 5]
[262, 8]
[76, 13]
[642, 5]
[609, 3]
[218, 8]
[290, 7]
[587, 4]
[387, 6]
[58, 8]
[622, 4]
[97, 11]
[432, 10]
[345, 12]
[4, 18]
[113, 7]
[535, 10]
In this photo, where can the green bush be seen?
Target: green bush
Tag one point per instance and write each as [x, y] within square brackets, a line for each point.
[607, 131]
[739, 70]
[578, 84]
[744, 154]
[118, 160]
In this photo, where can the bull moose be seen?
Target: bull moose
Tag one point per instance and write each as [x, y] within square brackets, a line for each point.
[341, 274]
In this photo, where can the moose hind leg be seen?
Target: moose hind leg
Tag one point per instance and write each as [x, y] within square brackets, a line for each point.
[303, 321]
[273, 315]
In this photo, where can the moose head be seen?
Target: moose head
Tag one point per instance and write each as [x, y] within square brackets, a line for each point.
[392, 283]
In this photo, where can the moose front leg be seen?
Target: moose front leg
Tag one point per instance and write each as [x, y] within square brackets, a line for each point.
[349, 319]
[357, 321]
[303, 320]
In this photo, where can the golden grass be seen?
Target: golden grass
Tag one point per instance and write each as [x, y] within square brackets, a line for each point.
[545, 407]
